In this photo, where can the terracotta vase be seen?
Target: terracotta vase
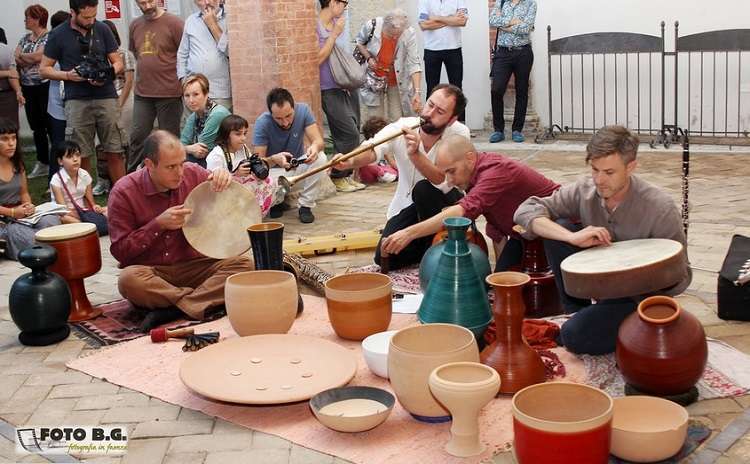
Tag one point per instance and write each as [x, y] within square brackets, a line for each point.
[464, 388]
[510, 355]
[39, 301]
[413, 354]
[661, 349]
[261, 302]
[456, 294]
[266, 241]
[562, 423]
[359, 304]
[477, 247]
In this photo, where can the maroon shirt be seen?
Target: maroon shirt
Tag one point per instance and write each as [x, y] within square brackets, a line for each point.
[497, 187]
[133, 206]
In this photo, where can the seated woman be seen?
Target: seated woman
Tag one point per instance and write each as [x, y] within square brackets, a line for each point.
[14, 195]
[232, 154]
[199, 133]
[71, 185]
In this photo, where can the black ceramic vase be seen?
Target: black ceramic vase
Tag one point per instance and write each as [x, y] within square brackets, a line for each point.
[39, 301]
[267, 243]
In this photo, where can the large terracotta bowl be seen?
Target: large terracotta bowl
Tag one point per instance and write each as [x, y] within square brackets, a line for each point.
[647, 429]
[359, 304]
[562, 423]
[261, 302]
[413, 354]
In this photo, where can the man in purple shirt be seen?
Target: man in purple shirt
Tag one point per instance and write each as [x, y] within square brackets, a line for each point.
[161, 271]
[495, 187]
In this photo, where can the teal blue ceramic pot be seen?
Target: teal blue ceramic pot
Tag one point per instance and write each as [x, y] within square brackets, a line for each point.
[455, 293]
[431, 257]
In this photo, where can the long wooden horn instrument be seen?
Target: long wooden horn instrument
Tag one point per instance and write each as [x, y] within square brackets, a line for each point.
[286, 183]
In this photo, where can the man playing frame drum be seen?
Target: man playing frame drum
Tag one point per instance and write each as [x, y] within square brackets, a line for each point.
[611, 205]
[161, 271]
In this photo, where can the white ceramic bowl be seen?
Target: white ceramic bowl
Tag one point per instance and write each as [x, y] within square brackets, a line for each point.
[647, 429]
[375, 351]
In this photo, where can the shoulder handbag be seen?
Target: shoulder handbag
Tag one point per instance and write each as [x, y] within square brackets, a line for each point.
[347, 72]
[88, 215]
[357, 53]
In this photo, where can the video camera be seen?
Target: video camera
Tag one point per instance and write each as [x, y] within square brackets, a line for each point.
[94, 66]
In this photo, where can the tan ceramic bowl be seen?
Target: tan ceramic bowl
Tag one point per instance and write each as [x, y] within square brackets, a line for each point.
[352, 409]
[647, 429]
[359, 304]
[261, 302]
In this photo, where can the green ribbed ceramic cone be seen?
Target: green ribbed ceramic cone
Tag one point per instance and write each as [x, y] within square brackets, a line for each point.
[456, 294]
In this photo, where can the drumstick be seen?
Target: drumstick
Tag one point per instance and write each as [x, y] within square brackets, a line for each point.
[163, 334]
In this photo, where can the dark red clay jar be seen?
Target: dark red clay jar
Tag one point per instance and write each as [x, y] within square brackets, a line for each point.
[661, 349]
[510, 355]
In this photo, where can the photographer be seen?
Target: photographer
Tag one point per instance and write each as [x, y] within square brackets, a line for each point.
[87, 54]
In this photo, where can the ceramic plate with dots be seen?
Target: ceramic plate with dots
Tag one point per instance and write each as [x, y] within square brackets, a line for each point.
[268, 369]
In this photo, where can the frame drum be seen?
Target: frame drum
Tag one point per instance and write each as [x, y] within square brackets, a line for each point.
[623, 269]
[217, 227]
[78, 256]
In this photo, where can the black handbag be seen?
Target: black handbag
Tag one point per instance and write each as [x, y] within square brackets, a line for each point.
[733, 292]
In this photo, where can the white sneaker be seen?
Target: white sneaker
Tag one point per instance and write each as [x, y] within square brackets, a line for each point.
[40, 170]
[101, 187]
[387, 177]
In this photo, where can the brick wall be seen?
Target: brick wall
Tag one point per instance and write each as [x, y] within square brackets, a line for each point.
[272, 43]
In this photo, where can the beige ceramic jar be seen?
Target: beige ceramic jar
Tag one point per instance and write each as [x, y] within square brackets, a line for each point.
[261, 302]
[414, 353]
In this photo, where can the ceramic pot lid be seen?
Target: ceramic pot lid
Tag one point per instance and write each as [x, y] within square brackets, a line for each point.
[217, 227]
[268, 369]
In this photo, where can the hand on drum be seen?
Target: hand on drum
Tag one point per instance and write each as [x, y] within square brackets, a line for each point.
[173, 218]
[590, 236]
[394, 243]
[220, 180]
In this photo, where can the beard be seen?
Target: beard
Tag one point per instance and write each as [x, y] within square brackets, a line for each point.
[88, 27]
[429, 128]
[149, 11]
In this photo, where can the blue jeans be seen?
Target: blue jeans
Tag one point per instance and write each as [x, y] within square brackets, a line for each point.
[593, 327]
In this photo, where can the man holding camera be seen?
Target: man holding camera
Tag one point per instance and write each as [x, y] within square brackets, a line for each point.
[286, 128]
[87, 53]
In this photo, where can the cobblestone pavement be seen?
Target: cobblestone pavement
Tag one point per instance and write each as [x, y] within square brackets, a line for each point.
[37, 388]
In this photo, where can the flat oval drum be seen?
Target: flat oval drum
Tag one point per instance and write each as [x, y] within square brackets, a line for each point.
[623, 269]
[78, 256]
[217, 227]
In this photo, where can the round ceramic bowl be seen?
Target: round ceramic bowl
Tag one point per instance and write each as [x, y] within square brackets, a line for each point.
[352, 409]
[561, 422]
[359, 304]
[261, 302]
[375, 351]
[413, 354]
[647, 429]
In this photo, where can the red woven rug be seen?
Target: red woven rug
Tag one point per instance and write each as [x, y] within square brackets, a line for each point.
[119, 322]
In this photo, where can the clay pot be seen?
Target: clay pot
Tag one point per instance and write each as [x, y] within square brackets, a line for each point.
[352, 409]
[562, 423]
[359, 304]
[647, 429]
[261, 302]
[540, 294]
[477, 246]
[456, 294]
[510, 355]
[464, 388]
[39, 301]
[661, 349]
[414, 353]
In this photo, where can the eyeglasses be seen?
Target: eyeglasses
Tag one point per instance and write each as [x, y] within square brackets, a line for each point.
[345, 2]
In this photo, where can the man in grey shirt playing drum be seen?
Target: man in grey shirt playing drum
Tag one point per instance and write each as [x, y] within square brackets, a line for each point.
[611, 205]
